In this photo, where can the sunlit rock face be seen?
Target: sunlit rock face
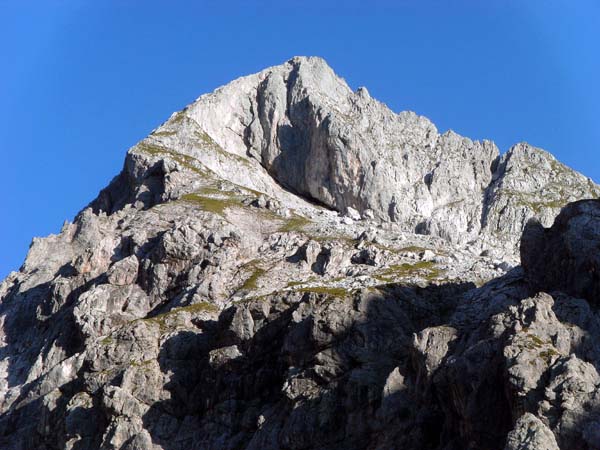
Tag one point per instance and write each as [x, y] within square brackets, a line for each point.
[287, 263]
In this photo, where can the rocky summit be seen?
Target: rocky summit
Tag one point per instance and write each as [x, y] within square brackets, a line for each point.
[289, 264]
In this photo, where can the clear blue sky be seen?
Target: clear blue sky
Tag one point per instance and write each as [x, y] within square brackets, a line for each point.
[81, 81]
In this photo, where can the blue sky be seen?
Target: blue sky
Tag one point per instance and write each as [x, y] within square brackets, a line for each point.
[82, 81]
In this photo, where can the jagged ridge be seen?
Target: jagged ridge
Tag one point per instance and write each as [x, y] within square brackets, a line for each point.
[319, 139]
[202, 302]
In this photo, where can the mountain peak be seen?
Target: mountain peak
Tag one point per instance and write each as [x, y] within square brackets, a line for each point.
[309, 60]
[286, 263]
[300, 126]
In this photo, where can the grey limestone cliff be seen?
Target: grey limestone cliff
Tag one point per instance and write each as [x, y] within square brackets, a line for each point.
[288, 264]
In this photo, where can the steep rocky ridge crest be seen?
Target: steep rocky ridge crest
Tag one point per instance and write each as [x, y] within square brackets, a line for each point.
[287, 263]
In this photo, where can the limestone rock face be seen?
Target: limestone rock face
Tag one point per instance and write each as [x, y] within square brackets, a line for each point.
[300, 126]
[530, 433]
[320, 139]
[565, 257]
[288, 264]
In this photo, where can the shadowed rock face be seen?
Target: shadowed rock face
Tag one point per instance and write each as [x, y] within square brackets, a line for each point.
[204, 300]
[566, 256]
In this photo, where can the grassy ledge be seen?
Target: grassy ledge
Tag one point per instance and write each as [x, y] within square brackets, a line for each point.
[423, 269]
[185, 161]
[210, 204]
[251, 281]
[327, 290]
[295, 223]
[196, 308]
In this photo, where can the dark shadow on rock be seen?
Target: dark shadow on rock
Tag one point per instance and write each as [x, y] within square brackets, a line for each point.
[292, 371]
[313, 371]
[34, 425]
[36, 321]
[126, 188]
[566, 256]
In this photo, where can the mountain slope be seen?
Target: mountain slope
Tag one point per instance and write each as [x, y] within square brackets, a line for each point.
[315, 137]
[289, 264]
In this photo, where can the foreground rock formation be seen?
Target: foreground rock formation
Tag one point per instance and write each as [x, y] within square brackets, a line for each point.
[287, 264]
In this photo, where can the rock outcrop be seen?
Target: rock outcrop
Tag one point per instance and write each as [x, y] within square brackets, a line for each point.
[302, 126]
[288, 264]
[565, 257]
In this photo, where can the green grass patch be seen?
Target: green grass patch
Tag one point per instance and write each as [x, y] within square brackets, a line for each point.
[179, 118]
[547, 355]
[538, 341]
[185, 161]
[533, 342]
[531, 203]
[254, 298]
[210, 204]
[143, 363]
[251, 281]
[200, 307]
[213, 190]
[423, 269]
[327, 290]
[294, 223]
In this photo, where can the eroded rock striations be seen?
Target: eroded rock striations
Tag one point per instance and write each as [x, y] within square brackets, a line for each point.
[288, 264]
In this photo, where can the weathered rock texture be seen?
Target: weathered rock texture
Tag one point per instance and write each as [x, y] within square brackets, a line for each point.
[566, 257]
[287, 264]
